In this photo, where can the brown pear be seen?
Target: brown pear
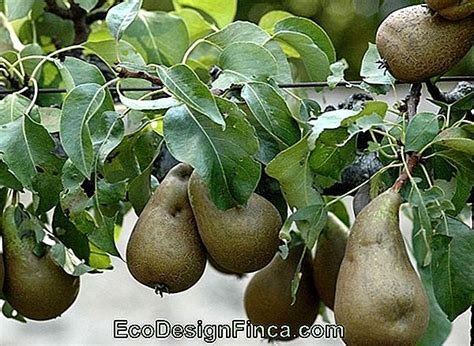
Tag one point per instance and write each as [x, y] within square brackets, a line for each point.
[164, 251]
[241, 239]
[380, 299]
[35, 286]
[2, 272]
[452, 9]
[418, 44]
[268, 300]
[327, 261]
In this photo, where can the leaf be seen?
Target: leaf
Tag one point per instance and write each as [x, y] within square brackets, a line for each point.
[12, 107]
[107, 51]
[421, 130]
[87, 5]
[224, 159]
[457, 138]
[314, 59]
[27, 149]
[222, 11]
[269, 19]
[9, 312]
[310, 29]
[186, 86]
[141, 105]
[160, 37]
[276, 127]
[67, 260]
[80, 104]
[462, 162]
[7, 179]
[140, 190]
[109, 136]
[195, 22]
[453, 274]
[104, 236]
[337, 73]
[311, 221]
[121, 16]
[243, 62]
[371, 70]
[309, 109]
[17, 9]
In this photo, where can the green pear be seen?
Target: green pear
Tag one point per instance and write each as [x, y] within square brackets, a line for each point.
[327, 261]
[241, 239]
[34, 286]
[268, 300]
[164, 251]
[2, 272]
[380, 299]
[418, 45]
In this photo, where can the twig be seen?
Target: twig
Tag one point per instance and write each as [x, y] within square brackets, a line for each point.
[125, 73]
[435, 93]
[412, 101]
[53, 7]
[96, 16]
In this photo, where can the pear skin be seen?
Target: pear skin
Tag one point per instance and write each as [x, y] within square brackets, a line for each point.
[327, 261]
[241, 239]
[268, 295]
[164, 251]
[458, 12]
[380, 299]
[2, 272]
[418, 44]
[34, 286]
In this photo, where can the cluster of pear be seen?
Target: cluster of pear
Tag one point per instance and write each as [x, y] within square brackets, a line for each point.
[423, 41]
[33, 284]
[180, 228]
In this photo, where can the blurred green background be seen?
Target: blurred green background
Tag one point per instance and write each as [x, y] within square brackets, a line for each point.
[349, 23]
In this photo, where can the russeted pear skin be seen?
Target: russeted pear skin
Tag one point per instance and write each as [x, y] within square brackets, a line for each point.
[418, 44]
[164, 251]
[241, 239]
[452, 9]
[2, 272]
[34, 286]
[268, 295]
[328, 258]
[380, 299]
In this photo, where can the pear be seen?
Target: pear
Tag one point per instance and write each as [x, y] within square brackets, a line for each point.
[268, 300]
[34, 286]
[164, 251]
[452, 9]
[418, 45]
[242, 239]
[2, 272]
[380, 299]
[222, 270]
[327, 261]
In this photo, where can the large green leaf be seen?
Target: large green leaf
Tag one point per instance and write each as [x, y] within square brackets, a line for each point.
[197, 25]
[121, 16]
[372, 71]
[223, 158]
[12, 107]
[269, 19]
[421, 130]
[107, 51]
[451, 266]
[160, 37]
[276, 128]
[87, 4]
[310, 29]
[80, 104]
[457, 138]
[7, 179]
[221, 11]
[27, 148]
[17, 9]
[186, 86]
[316, 62]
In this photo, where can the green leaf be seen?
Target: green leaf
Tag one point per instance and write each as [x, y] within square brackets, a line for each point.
[107, 51]
[451, 266]
[457, 138]
[245, 61]
[12, 107]
[421, 130]
[121, 16]
[80, 104]
[141, 105]
[221, 11]
[224, 159]
[140, 190]
[160, 37]
[9, 312]
[186, 86]
[291, 168]
[104, 236]
[7, 179]
[17, 9]
[68, 261]
[30, 65]
[108, 136]
[316, 62]
[371, 70]
[311, 221]
[463, 163]
[309, 28]
[87, 4]
[337, 73]
[269, 19]
[197, 26]
[276, 127]
[27, 149]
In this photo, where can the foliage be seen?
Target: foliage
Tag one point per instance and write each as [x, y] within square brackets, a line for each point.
[87, 154]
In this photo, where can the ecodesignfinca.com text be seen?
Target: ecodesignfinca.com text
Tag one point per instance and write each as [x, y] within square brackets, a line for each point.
[163, 329]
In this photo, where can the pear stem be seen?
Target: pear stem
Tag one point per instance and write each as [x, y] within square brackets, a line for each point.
[412, 101]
